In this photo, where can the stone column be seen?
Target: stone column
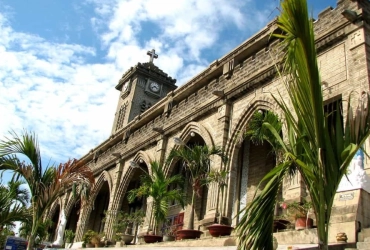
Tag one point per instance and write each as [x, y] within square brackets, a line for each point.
[161, 149]
[214, 195]
[81, 224]
[113, 201]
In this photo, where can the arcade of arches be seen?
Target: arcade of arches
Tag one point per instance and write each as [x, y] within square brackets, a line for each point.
[252, 162]
[212, 109]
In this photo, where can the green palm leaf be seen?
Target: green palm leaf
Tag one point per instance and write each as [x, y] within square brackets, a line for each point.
[157, 187]
[45, 184]
[317, 144]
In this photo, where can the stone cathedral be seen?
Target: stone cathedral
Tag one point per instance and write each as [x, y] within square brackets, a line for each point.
[214, 108]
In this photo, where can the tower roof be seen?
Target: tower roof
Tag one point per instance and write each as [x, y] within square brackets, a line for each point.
[147, 69]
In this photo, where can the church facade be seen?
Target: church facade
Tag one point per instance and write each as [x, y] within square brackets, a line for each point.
[213, 109]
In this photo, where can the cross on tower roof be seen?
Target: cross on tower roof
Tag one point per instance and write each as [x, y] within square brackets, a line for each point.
[152, 55]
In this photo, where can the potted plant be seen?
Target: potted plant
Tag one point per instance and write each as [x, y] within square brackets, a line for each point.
[169, 233]
[87, 238]
[299, 211]
[156, 187]
[69, 237]
[96, 240]
[124, 224]
[197, 161]
[220, 177]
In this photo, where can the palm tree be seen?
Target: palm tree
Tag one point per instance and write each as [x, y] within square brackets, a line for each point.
[45, 184]
[157, 187]
[13, 204]
[318, 145]
[197, 161]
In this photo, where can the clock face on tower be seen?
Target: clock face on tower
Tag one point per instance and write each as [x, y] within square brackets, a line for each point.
[154, 87]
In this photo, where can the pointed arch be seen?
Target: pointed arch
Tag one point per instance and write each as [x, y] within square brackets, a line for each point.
[125, 181]
[234, 145]
[186, 135]
[104, 176]
[70, 202]
[199, 129]
[266, 102]
[142, 156]
[57, 202]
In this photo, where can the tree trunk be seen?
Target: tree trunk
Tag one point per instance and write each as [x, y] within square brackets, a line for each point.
[221, 206]
[217, 215]
[150, 218]
[191, 217]
[31, 239]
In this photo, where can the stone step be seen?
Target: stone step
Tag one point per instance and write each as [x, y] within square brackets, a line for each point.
[365, 233]
[363, 245]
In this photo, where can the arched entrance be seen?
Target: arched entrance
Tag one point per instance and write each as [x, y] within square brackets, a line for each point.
[138, 203]
[200, 202]
[254, 161]
[52, 231]
[74, 216]
[96, 220]
[134, 184]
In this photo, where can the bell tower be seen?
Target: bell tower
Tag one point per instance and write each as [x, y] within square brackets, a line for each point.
[140, 87]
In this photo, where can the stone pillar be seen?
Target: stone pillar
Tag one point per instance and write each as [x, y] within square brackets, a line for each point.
[161, 149]
[113, 201]
[213, 192]
[81, 224]
[149, 206]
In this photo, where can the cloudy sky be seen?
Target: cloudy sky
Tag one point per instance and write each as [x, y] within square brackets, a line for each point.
[60, 59]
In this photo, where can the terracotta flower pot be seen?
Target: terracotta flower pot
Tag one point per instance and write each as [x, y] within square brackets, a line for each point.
[152, 238]
[185, 234]
[217, 230]
[303, 223]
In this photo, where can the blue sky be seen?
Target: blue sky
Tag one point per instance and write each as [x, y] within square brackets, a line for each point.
[60, 59]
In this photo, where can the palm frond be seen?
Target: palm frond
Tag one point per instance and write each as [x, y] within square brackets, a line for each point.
[317, 144]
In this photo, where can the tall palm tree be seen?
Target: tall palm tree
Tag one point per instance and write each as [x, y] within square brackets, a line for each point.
[45, 184]
[157, 187]
[318, 145]
[197, 161]
[13, 204]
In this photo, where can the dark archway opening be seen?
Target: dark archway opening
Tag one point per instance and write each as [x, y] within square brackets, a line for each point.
[52, 231]
[74, 216]
[200, 201]
[255, 160]
[96, 221]
[138, 203]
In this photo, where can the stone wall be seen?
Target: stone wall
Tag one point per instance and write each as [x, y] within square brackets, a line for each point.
[246, 84]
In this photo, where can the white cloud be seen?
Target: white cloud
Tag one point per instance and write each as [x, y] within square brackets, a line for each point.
[53, 89]
[50, 89]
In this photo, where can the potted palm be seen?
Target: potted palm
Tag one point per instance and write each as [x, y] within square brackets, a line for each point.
[169, 233]
[156, 187]
[299, 211]
[197, 161]
[69, 237]
[89, 238]
[124, 224]
[220, 177]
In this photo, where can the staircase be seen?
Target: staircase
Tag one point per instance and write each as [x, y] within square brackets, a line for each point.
[363, 240]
